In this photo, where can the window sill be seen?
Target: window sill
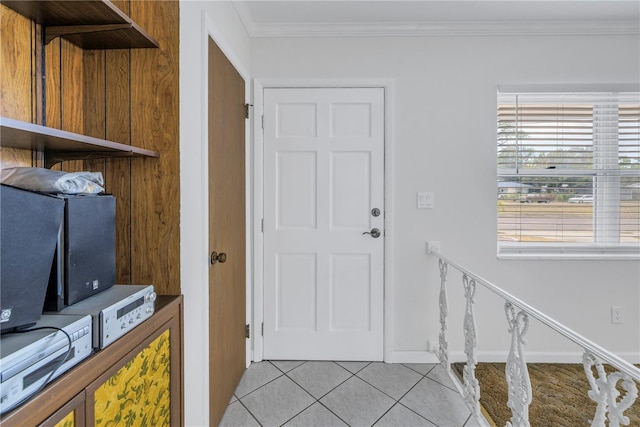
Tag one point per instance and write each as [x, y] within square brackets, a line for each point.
[565, 251]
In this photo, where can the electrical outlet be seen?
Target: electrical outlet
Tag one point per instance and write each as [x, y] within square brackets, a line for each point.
[432, 346]
[616, 314]
[424, 200]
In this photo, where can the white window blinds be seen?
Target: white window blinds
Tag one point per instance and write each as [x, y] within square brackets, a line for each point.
[568, 169]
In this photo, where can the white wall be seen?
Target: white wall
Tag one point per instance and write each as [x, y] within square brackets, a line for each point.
[197, 19]
[440, 82]
[445, 119]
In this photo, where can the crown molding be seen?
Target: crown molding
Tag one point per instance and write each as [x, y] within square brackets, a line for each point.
[441, 28]
[512, 28]
[245, 15]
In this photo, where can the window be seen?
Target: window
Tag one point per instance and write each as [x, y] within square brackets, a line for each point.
[568, 174]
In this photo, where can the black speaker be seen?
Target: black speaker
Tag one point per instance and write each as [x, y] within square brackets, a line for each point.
[29, 224]
[85, 261]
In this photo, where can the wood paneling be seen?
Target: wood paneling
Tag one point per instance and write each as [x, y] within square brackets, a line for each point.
[127, 96]
[71, 88]
[53, 84]
[155, 184]
[16, 60]
[37, 84]
[12, 158]
[72, 95]
[16, 90]
[94, 93]
[118, 183]
[118, 171]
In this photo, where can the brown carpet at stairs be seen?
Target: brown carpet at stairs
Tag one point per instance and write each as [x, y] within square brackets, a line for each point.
[559, 395]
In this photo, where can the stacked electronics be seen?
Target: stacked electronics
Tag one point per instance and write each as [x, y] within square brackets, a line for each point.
[31, 359]
[58, 297]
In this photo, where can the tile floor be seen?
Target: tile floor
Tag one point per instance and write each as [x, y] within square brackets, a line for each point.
[315, 394]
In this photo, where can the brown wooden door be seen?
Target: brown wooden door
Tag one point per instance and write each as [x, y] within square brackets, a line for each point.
[226, 231]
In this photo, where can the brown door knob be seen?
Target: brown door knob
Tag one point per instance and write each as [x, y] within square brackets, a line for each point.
[218, 257]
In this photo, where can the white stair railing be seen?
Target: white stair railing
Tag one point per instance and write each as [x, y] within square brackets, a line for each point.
[471, 387]
[604, 387]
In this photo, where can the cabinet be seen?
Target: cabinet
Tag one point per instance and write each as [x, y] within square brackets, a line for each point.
[99, 82]
[70, 415]
[134, 381]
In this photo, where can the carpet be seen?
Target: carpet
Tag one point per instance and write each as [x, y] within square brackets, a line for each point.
[559, 395]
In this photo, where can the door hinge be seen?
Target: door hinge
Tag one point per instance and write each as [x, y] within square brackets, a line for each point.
[263, 122]
[247, 331]
[262, 329]
[246, 110]
[262, 225]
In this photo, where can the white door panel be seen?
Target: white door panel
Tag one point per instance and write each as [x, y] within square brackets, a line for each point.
[324, 173]
[350, 281]
[296, 190]
[296, 281]
[350, 177]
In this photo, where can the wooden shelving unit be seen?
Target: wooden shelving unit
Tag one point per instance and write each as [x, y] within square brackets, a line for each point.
[148, 223]
[89, 24]
[59, 145]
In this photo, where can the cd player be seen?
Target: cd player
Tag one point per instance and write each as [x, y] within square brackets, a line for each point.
[32, 358]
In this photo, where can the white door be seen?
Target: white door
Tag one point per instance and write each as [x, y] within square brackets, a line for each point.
[324, 188]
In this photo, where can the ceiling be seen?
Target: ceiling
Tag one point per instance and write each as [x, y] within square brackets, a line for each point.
[276, 18]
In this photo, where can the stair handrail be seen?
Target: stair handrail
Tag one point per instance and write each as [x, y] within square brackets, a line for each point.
[583, 342]
[603, 385]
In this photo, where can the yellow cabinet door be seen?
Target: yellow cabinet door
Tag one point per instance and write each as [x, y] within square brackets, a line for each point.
[139, 392]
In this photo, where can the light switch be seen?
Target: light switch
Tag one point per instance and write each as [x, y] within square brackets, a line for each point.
[425, 200]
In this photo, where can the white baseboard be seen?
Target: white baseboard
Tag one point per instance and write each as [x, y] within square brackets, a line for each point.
[631, 357]
[413, 357]
[499, 357]
[535, 357]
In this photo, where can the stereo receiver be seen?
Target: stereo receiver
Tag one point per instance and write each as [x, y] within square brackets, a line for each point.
[116, 311]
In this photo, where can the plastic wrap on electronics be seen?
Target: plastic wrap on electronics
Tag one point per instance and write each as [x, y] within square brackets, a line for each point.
[50, 181]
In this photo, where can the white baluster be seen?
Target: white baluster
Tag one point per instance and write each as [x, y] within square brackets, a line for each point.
[443, 348]
[471, 388]
[516, 371]
[605, 393]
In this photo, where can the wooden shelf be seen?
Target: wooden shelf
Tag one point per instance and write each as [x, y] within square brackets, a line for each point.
[89, 24]
[59, 145]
